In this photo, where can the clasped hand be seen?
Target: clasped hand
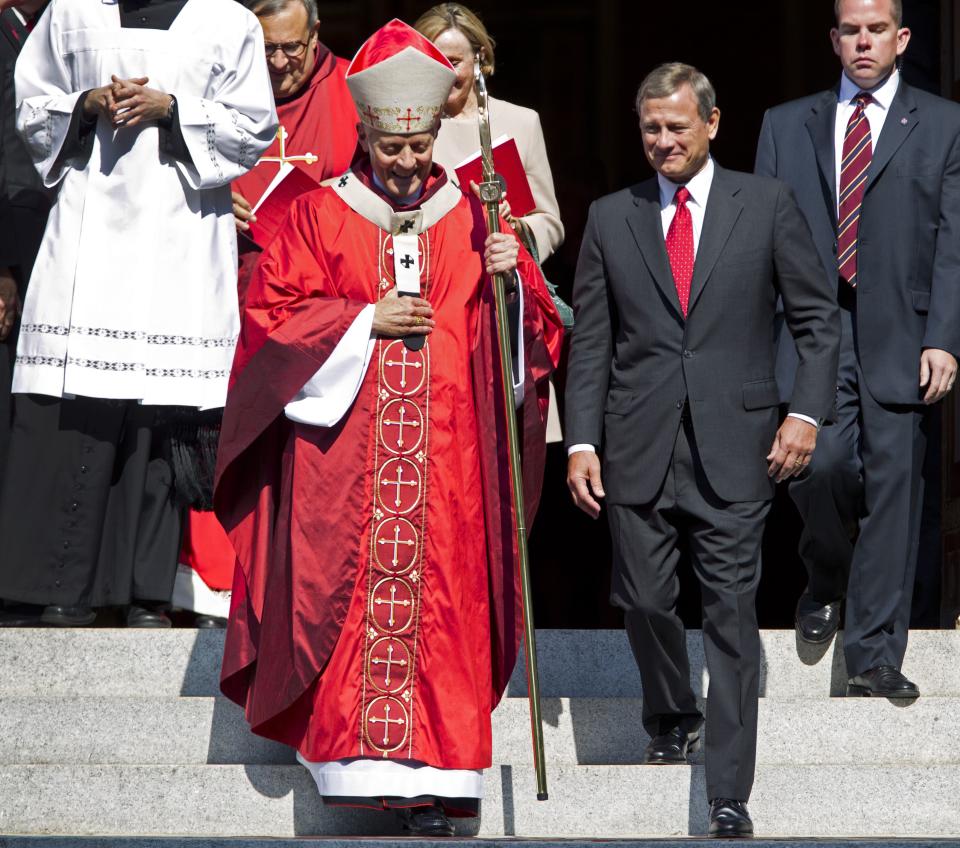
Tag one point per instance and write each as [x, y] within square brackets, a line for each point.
[127, 102]
[397, 316]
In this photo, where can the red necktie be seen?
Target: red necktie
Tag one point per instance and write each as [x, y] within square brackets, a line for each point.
[857, 153]
[680, 247]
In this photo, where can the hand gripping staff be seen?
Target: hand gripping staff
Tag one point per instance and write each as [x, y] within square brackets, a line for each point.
[490, 194]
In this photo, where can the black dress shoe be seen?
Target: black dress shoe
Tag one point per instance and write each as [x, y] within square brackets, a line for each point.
[672, 747]
[146, 617]
[20, 615]
[209, 622]
[60, 616]
[817, 622]
[425, 821]
[884, 681]
[729, 819]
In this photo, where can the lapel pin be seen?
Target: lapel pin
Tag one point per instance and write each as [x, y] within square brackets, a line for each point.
[903, 121]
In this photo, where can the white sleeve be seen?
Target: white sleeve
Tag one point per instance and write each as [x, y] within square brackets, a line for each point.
[328, 394]
[803, 417]
[577, 448]
[227, 134]
[516, 347]
[45, 97]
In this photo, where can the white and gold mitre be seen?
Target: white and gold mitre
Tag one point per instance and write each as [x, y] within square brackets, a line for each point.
[399, 81]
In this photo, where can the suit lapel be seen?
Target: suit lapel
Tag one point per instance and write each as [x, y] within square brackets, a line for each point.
[723, 210]
[14, 32]
[822, 128]
[645, 224]
[899, 123]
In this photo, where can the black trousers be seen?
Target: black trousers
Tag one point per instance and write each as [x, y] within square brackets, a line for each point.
[865, 483]
[28, 224]
[86, 514]
[724, 543]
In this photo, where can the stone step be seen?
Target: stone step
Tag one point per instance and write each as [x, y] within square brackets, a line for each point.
[572, 663]
[864, 801]
[585, 731]
[401, 842]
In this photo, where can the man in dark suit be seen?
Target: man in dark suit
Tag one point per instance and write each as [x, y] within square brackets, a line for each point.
[671, 380]
[875, 165]
[24, 202]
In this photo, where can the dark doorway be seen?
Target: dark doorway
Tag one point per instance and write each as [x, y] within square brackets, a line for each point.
[578, 64]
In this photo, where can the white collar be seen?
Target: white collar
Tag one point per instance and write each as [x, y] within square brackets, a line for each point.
[882, 94]
[370, 205]
[698, 186]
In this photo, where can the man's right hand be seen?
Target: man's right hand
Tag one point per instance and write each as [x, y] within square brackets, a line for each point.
[583, 480]
[397, 316]
[242, 212]
[9, 303]
[99, 102]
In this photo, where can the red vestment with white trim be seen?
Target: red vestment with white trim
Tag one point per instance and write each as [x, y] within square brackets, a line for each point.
[376, 608]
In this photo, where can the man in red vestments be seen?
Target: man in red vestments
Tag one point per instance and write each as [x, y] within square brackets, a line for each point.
[363, 476]
[317, 134]
[317, 130]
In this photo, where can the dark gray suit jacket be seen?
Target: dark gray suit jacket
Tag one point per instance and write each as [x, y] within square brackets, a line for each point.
[634, 360]
[908, 296]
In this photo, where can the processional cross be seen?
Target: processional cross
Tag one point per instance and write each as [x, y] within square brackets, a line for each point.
[307, 158]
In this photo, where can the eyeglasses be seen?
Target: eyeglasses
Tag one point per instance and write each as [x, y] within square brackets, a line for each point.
[291, 49]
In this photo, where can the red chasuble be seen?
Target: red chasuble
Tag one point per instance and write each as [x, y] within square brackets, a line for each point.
[318, 134]
[376, 608]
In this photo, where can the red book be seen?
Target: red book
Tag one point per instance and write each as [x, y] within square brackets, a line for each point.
[272, 208]
[506, 162]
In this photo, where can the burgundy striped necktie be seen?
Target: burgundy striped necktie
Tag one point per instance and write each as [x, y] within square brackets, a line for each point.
[857, 153]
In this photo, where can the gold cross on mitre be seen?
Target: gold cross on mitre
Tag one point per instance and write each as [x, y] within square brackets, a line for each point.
[307, 158]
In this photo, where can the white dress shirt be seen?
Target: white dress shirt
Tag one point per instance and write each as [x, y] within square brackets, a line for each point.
[699, 188]
[876, 111]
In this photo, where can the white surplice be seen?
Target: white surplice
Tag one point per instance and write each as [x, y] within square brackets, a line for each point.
[134, 291]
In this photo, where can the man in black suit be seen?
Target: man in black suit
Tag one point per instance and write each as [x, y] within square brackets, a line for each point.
[671, 380]
[875, 165]
[24, 202]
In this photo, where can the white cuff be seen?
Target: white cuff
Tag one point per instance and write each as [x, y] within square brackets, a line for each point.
[329, 393]
[516, 347]
[806, 418]
[574, 448]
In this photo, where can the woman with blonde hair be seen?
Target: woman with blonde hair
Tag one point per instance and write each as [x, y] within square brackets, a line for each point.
[461, 36]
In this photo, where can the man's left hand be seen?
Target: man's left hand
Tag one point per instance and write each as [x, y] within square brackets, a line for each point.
[938, 370]
[134, 103]
[500, 253]
[792, 448]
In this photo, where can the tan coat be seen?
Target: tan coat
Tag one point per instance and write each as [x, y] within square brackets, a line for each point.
[460, 138]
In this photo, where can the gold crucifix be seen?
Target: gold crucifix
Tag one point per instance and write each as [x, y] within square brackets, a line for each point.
[307, 158]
